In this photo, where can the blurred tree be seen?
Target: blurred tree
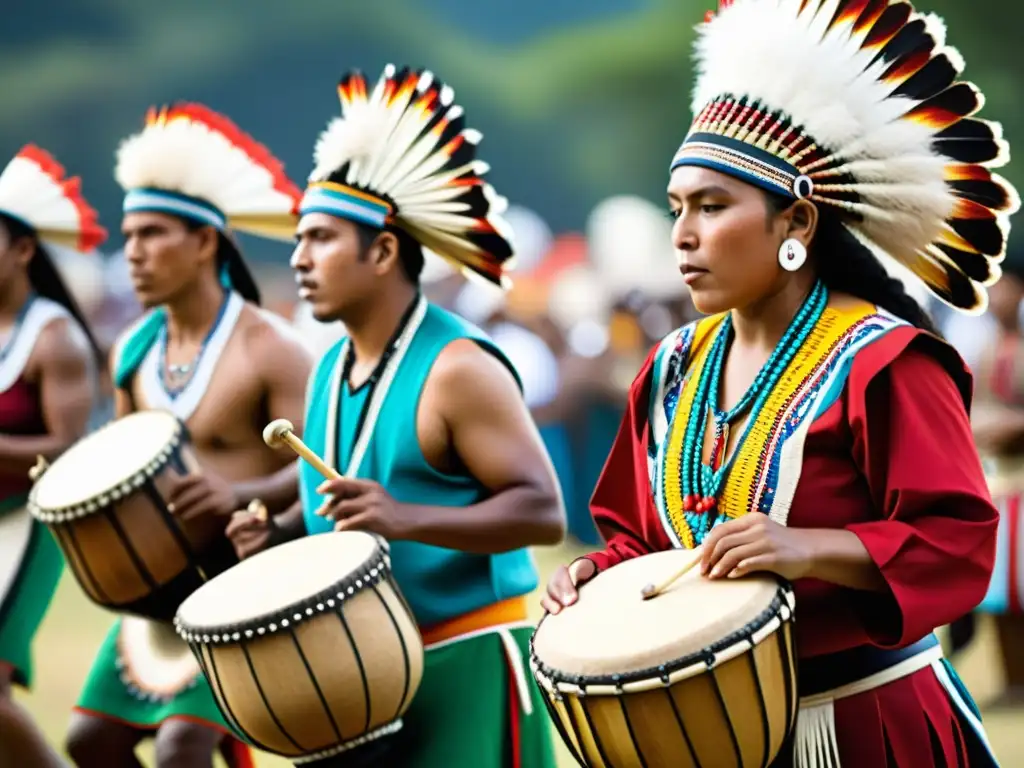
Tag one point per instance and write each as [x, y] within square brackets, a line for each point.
[592, 104]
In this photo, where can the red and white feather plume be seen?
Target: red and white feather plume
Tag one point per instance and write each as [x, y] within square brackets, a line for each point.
[192, 151]
[35, 190]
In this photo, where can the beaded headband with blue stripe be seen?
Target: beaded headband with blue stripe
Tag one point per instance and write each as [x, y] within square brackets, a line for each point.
[743, 161]
[346, 202]
[164, 201]
[148, 200]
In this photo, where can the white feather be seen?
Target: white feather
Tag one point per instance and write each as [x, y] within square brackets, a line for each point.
[31, 194]
[383, 141]
[821, 79]
[188, 157]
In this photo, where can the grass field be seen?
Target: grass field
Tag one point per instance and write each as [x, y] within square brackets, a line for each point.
[74, 628]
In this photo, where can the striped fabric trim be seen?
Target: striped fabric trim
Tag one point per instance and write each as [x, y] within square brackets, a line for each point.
[164, 201]
[768, 462]
[345, 203]
[733, 162]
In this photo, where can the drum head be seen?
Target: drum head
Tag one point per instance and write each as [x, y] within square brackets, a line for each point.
[277, 578]
[612, 630]
[154, 660]
[105, 459]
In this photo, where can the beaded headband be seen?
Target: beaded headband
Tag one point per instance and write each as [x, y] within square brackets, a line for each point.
[163, 201]
[346, 203]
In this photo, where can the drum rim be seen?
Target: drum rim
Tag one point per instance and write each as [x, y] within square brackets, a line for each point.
[130, 485]
[376, 569]
[780, 607]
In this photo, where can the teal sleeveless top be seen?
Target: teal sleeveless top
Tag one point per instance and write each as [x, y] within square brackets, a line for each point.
[439, 584]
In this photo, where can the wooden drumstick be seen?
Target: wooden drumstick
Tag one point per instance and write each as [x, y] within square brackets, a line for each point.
[652, 590]
[281, 431]
[259, 509]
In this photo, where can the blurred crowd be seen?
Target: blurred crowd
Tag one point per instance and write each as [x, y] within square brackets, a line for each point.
[583, 312]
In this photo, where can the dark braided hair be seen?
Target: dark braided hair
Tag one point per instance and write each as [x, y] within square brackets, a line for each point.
[228, 257]
[410, 252]
[845, 264]
[46, 280]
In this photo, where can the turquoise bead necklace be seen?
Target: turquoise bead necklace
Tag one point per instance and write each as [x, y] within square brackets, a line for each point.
[702, 483]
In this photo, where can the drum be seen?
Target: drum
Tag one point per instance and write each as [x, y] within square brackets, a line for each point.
[104, 501]
[704, 674]
[309, 647]
[153, 662]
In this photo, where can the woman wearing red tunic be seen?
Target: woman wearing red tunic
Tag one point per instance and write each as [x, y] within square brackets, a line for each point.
[815, 396]
[47, 391]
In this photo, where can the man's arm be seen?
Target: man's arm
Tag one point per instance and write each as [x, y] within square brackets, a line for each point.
[284, 364]
[497, 441]
[67, 387]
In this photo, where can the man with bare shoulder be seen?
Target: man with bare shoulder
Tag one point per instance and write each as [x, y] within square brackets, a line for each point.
[425, 418]
[206, 352]
[48, 366]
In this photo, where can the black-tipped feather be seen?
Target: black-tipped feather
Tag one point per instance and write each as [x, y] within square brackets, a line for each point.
[955, 287]
[984, 235]
[977, 267]
[961, 100]
[968, 141]
[933, 78]
[991, 194]
[910, 41]
[892, 19]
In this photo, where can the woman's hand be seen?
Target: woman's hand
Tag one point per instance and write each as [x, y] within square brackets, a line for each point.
[562, 587]
[755, 542]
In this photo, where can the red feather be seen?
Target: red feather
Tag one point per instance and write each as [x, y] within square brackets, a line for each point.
[258, 153]
[90, 234]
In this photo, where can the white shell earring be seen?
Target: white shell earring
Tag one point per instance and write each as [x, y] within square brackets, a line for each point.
[792, 255]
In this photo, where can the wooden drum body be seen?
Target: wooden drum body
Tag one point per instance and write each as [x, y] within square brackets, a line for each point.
[702, 675]
[309, 646]
[104, 500]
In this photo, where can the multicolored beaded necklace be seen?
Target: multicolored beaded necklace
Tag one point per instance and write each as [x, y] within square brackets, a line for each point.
[702, 483]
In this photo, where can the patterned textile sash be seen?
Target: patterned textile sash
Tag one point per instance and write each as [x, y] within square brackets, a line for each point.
[768, 462]
[15, 353]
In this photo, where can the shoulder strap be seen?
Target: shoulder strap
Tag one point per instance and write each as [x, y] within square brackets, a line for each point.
[39, 315]
[131, 348]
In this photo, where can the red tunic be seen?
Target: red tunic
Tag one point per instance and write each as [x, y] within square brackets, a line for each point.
[21, 413]
[893, 461]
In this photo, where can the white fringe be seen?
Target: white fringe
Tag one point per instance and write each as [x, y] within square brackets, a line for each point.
[816, 745]
[816, 737]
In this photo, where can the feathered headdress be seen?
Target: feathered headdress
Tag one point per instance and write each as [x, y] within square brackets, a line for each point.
[402, 155]
[856, 105]
[35, 192]
[193, 162]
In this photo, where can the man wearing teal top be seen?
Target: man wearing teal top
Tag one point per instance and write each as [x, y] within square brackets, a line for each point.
[424, 417]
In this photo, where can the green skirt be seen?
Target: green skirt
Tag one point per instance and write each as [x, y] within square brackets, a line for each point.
[30, 584]
[109, 692]
[468, 711]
